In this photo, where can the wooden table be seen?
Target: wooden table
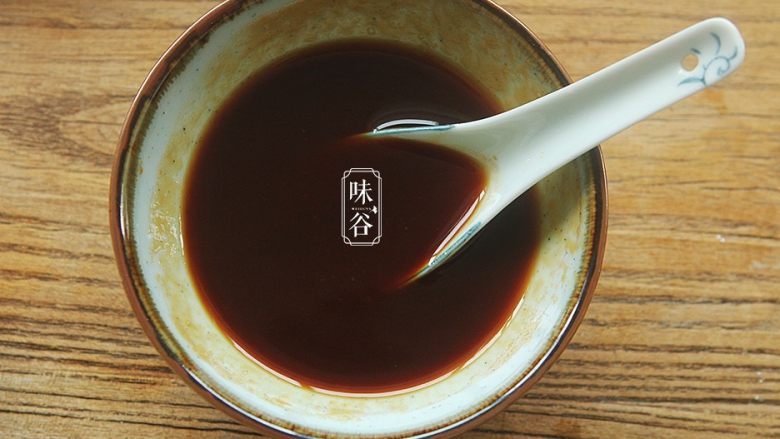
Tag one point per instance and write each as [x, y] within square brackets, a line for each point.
[681, 340]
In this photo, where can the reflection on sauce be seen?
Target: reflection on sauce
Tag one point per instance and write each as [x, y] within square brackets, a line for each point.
[262, 220]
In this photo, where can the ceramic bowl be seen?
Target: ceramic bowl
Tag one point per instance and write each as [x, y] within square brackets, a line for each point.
[169, 114]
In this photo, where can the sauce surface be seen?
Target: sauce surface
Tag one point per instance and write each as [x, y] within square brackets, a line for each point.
[262, 216]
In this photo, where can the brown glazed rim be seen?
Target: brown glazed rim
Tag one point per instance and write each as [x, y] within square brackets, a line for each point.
[127, 270]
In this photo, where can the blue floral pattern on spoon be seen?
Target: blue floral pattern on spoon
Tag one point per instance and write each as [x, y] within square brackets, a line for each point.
[719, 65]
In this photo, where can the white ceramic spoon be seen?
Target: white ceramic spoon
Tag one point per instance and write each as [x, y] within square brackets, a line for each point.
[523, 145]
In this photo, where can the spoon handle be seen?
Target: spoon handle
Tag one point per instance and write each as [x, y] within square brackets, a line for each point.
[565, 124]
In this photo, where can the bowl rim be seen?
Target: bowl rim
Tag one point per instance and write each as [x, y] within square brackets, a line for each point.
[119, 233]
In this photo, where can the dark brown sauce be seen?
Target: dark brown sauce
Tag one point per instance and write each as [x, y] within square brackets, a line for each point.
[262, 223]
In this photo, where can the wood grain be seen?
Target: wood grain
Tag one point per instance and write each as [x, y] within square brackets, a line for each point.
[681, 340]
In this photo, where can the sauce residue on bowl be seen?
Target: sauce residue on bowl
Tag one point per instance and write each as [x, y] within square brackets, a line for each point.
[262, 217]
